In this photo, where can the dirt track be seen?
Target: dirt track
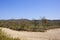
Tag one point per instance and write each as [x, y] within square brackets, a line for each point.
[53, 34]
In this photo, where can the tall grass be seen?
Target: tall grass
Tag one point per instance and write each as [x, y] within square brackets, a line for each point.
[4, 37]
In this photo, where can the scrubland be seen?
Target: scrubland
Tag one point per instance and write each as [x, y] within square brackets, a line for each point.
[24, 29]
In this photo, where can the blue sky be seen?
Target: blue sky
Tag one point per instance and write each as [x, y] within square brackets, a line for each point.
[29, 9]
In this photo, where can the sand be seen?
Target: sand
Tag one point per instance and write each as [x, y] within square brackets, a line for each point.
[53, 34]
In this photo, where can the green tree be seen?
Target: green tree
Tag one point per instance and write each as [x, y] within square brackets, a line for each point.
[45, 23]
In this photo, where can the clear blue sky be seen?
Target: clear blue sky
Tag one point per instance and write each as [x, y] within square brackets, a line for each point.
[29, 9]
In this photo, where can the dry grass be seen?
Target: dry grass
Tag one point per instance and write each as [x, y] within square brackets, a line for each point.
[4, 37]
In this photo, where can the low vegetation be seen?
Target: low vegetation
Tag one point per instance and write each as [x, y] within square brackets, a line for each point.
[30, 25]
[4, 37]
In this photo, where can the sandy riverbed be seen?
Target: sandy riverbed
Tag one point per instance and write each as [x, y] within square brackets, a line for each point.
[53, 34]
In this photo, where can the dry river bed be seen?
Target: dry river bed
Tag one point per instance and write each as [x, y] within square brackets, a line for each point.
[53, 34]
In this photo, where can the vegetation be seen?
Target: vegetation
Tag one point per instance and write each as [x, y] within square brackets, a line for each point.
[4, 37]
[30, 25]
